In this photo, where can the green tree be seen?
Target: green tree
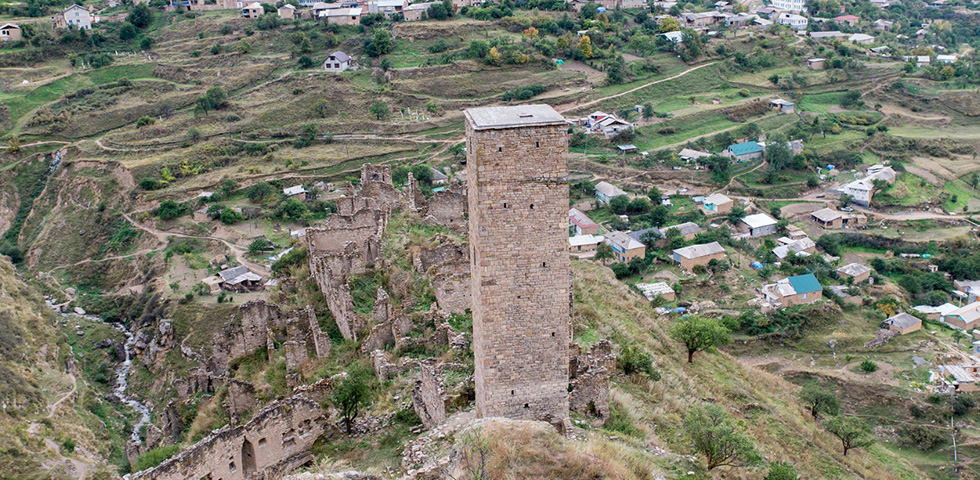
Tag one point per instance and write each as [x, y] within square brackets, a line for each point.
[321, 108]
[669, 24]
[457, 150]
[213, 99]
[230, 216]
[736, 213]
[228, 186]
[422, 174]
[774, 79]
[975, 180]
[654, 195]
[169, 210]
[603, 252]
[633, 359]
[140, 16]
[819, 400]
[350, 396]
[852, 432]
[258, 246]
[699, 333]
[379, 109]
[145, 121]
[648, 111]
[781, 471]
[619, 204]
[128, 31]
[869, 366]
[305, 62]
[718, 438]
[259, 192]
[380, 43]
[146, 43]
[244, 46]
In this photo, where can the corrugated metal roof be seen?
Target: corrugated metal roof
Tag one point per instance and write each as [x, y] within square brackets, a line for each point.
[805, 283]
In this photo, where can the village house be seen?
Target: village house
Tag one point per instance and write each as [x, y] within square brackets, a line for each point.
[851, 20]
[342, 16]
[584, 243]
[387, 7]
[605, 192]
[239, 279]
[796, 146]
[935, 313]
[337, 62]
[612, 126]
[582, 223]
[743, 152]
[758, 225]
[842, 292]
[788, 292]
[717, 204]
[652, 235]
[794, 232]
[782, 106]
[286, 12]
[688, 154]
[970, 288]
[253, 10]
[902, 323]
[796, 22]
[860, 273]
[828, 218]
[654, 290]
[789, 5]
[9, 33]
[694, 255]
[965, 317]
[676, 37]
[74, 16]
[297, 192]
[862, 190]
[626, 149]
[701, 21]
[882, 24]
[946, 59]
[624, 247]
[417, 11]
[861, 39]
[803, 247]
[964, 376]
[830, 35]
[686, 230]
[816, 63]
[439, 178]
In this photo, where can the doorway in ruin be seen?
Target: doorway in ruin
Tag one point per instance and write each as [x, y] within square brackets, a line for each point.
[248, 459]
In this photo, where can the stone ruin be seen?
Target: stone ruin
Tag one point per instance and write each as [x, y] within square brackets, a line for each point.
[447, 208]
[448, 263]
[275, 441]
[589, 379]
[389, 325]
[429, 394]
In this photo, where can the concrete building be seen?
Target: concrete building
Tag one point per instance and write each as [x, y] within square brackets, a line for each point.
[902, 323]
[803, 247]
[582, 223]
[606, 191]
[517, 181]
[654, 290]
[717, 204]
[286, 12]
[789, 5]
[758, 225]
[624, 247]
[796, 22]
[74, 16]
[694, 255]
[253, 10]
[337, 62]
[788, 292]
[860, 273]
[965, 377]
[9, 33]
[342, 16]
[743, 152]
[584, 243]
[965, 317]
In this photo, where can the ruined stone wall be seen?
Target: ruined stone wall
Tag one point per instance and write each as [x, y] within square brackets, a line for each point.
[363, 228]
[371, 173]
[589, 385]
[428, 394]
[256, 317]
[519, 266]
[447, 208]
[276, 440]
[448, 265]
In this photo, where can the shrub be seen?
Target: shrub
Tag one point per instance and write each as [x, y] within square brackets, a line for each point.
[155, 457]
[869, 366]
[633, 359]
[145, 121]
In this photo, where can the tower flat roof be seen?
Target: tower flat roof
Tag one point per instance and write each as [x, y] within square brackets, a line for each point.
[511, 117]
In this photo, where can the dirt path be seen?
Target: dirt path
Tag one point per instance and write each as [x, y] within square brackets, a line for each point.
[76, 468]
[163, 237]
[576, 106]
[732, 180]
[53, 408]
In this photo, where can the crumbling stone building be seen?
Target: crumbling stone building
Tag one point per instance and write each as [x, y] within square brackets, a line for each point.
[517, 179]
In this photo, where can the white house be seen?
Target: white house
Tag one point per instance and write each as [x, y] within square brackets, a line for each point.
[861, 38]
[75, 16]
[606, 191]
[759, 225]
[796, 22]
[337, 62]
[789, 5]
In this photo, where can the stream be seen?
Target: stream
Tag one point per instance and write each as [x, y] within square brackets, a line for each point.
[122, 374]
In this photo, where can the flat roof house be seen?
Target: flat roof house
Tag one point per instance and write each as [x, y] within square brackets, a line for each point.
[582, 223]
[584, 243]
[965, 317]
[782, 106]
[717, 203]
[798, 290]
[694, 255]
[861, 38]
[337, 62]
[796, 22]
[759, 224]
[902, 323]
[624, 247]
[654, 290]
[606, 191]
[743, 152]
[860, 273]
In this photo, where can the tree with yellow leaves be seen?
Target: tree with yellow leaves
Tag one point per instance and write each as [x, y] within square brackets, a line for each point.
[585, 46]
[493, 58]
[531, 33]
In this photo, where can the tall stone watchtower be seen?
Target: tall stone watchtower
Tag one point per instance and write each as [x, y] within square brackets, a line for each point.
[517, 178]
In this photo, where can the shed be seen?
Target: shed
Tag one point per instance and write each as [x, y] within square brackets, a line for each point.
[902, 323]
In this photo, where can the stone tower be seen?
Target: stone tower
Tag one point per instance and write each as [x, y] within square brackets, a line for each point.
[517, 177]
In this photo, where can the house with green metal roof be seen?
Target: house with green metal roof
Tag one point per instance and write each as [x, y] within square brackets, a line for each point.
[743, 152]
[798, 290]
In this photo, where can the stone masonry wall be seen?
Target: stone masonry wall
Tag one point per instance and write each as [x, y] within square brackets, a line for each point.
[428, 394]
[519, 266]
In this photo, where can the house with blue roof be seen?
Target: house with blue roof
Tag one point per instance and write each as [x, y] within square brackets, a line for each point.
[743, 152]
[792, 291]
